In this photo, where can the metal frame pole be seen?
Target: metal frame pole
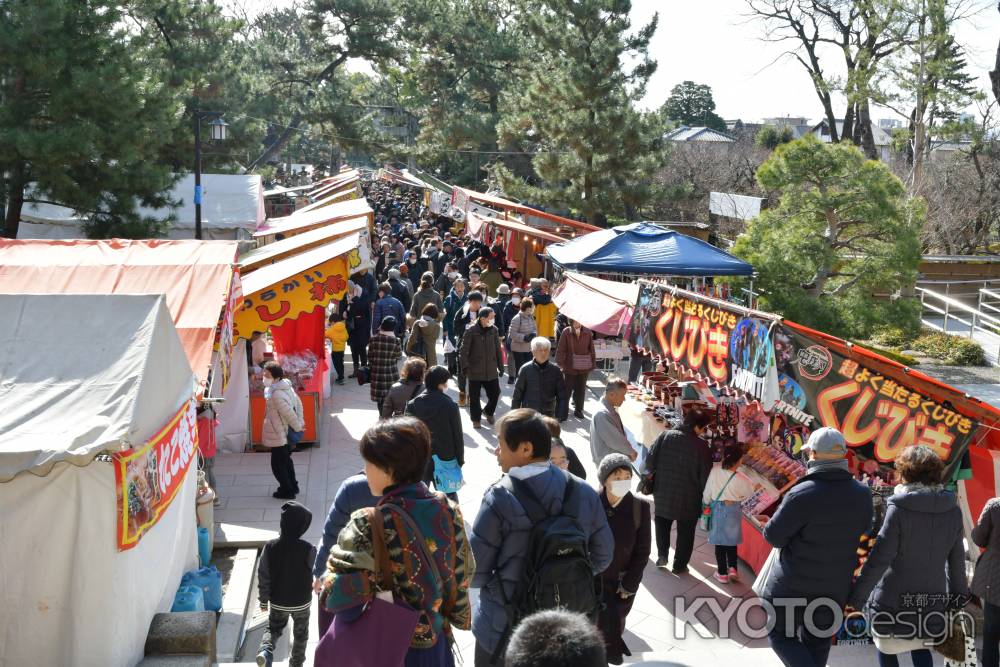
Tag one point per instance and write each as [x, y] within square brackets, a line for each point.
[197, 174]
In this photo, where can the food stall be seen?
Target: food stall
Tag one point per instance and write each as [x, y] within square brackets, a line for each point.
[308, 218]
[289, 298]
[770, 382]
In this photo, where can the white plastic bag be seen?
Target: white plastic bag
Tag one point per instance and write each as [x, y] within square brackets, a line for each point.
[760, 583]
[448, 346]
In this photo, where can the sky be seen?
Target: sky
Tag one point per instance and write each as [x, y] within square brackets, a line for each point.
[713, 42]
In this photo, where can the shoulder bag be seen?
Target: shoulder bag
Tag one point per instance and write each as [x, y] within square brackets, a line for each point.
[447, 475]
[706, 509]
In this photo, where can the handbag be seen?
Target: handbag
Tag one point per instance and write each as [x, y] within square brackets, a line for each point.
[706, 509]
[447, 475]
[760, 584]
[381, 635]
[294, 437]
[418, 347]
[363, 375]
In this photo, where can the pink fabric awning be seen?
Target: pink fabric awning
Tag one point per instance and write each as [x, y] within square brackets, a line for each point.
[603, 306]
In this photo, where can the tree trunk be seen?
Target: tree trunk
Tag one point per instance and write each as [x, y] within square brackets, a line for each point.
[278, 144]
[15, 199]
[335, 159]
[848, 130]
[864, 126]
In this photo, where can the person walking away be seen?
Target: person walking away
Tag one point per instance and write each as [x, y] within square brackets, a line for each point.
[725, 492]
[556, 638]
[560, 455]
[511, 308]
[284, 585]
[463, 319]
[986, 580]
[359, 328]
[630, 523]
[607, 433]
[424, 335]
[282, 413]
[352, 495]
[681, 462]
[336, 333]
[410, 384]
[388, 306]
[919, 555]
[576, 357]
[545, 310]
[817, 526]
[453, 305]
[540, 384]
[425, 296]
[423, 532]
[384, 352]
[521, 332]
[499, 306]
[441, 416]
[482, 360]
[515, 511]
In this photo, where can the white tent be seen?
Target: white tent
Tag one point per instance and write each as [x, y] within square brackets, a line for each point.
[82, 376]
[232, 208]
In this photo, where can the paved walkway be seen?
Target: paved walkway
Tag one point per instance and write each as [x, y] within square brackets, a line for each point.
[249, 514]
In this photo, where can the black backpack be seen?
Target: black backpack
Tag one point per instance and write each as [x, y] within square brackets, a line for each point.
[558, 572]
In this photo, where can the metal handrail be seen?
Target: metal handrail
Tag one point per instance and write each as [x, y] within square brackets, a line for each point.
[954, 303]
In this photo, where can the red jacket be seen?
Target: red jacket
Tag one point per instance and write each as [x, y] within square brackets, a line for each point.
[569, 345]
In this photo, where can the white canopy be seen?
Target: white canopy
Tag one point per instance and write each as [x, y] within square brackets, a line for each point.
[82, 375]
[230, 203]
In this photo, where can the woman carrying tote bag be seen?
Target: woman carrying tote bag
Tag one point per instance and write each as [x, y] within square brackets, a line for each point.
[423, 534]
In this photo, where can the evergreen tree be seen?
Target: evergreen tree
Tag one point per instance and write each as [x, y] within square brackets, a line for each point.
[691, 104]
[79, 120]
[844, 230]
[594, 153]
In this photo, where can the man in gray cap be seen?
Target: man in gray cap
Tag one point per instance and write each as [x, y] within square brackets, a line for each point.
[817, 527]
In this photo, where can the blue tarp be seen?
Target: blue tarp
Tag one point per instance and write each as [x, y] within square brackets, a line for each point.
[645, 248]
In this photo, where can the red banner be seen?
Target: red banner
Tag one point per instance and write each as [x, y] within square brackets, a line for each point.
[147, 478]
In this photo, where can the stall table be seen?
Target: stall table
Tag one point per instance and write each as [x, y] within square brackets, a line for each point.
[310, 408]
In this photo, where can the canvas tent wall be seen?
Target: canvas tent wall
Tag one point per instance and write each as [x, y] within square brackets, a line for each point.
[84, 376]
[232, 208]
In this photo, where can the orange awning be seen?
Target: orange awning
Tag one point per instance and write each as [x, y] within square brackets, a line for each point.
[518, 227]
[194, 275]
[301, 221]
[508, 205]
[273, 252]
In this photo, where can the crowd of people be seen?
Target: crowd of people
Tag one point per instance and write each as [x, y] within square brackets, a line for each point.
[542, 528]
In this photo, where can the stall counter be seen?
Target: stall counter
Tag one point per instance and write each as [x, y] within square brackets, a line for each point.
[310, 407]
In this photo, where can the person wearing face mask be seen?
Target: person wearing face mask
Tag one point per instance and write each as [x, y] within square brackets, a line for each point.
[511, 308]
[521, 331]
[724, 492]
[576, 356]
[282, 413]
[481, 359]
[629, 520]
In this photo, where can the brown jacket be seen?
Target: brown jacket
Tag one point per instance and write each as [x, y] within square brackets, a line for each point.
[569, 345]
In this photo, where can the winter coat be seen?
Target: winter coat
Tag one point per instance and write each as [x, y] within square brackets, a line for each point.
[429, 333]
[402, 294]
[336, 333]
[919, 550]
[284, 573]
[283, 408]
[545, 318]
[508, 312]
[386, 306]
[571, 345]
[464, 319]
[352, 495]
[520, 332]
[441, 416]
[399, 395]
[360, 331]
[818, 527]
[499, 541]
[541, 387]
[682, 462]
[632, 545]
[425, 296]
[453, 303]
[607, 433]
[442, 529]
[481, 356]
[500, 307]
[986, 534]
[492, 279]
[383, 353]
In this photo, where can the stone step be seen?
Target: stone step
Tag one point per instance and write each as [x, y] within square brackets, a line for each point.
[182, 633]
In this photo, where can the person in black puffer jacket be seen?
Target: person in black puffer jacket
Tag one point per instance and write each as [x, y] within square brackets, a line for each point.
[540, 384]
[441, 416]
[986, 580]
[285, 582]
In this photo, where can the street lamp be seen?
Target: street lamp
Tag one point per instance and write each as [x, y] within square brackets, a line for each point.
[219, 133]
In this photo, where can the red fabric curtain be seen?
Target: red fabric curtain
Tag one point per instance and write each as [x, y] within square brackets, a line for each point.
[303, 333]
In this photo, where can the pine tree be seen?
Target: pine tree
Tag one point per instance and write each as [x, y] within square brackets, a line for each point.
[691, 104]
[79, 120]
[595, 152]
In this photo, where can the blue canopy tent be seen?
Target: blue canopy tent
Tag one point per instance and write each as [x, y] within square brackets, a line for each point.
[643, 248]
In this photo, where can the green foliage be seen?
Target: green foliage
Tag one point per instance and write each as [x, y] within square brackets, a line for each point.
[952, 350]
[770, 137]
[895, 355]
[691, 104]
[893, 336]
[843, 230]
[594, 152]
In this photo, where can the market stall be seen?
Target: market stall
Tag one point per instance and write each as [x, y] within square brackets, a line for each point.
[97, 486]
[289, 297]
[304, 220]
[521, 243]
[769, 383]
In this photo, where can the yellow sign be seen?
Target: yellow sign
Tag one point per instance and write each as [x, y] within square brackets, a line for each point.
[291, 297]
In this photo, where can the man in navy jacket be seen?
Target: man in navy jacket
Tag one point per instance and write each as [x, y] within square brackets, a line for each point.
[501, 531]
[818, 527]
